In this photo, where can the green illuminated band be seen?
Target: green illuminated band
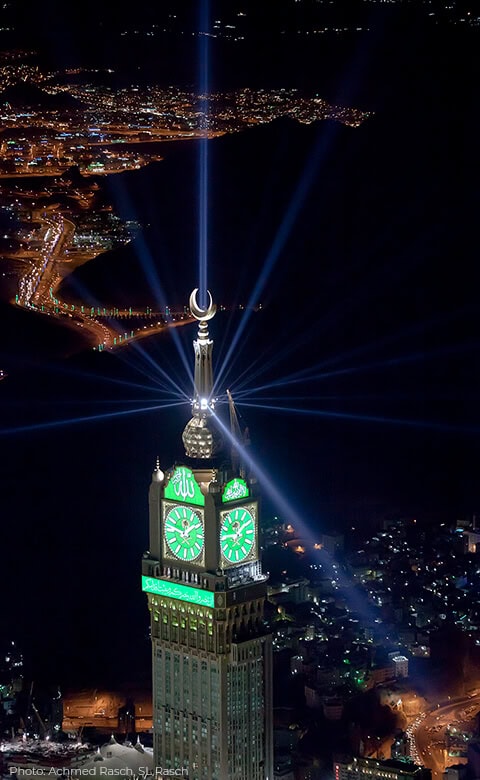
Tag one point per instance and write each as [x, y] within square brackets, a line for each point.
[183, 486]
[175, 591]
[235, 489]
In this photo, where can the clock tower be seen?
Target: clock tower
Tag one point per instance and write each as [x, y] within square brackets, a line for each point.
[211, 651]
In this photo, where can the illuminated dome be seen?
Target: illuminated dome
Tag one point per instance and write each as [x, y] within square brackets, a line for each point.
[199, 439]
[120, 761]
[132, 757]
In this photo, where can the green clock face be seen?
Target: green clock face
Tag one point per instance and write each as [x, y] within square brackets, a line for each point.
[184, 533]
[237, 535]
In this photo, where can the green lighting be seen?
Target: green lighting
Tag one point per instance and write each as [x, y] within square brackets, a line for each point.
[182, 486]
[237, 534]
[235, 489]
[184, 532]
[175, 591]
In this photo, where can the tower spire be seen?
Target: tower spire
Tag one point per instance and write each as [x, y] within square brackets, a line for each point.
[203, 347]
[201, 440]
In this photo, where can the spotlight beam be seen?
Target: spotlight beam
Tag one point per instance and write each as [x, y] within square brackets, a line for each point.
[303, 376]
[267, 484]
[125, 205]
[288, 513]
[81, 420]
[75, 372]
[422, 327]
[296, 204]
[157, 368]
[164, 387]
[203, 224]
[203, 155]
[367, 418]
[364, 397]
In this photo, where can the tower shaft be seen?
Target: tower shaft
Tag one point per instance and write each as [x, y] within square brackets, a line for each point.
[203, 348]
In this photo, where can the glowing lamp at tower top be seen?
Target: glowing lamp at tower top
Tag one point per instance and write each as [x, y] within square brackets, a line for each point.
[200, 437]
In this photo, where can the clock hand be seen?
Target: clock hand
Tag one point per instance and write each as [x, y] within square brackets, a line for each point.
[189, 528]
[239, 530]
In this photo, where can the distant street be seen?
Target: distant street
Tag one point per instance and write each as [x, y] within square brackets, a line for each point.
[38, 289]
[429, 732]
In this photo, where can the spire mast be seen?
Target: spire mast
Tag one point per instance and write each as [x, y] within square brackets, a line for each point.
[203, 347]
[199, 438]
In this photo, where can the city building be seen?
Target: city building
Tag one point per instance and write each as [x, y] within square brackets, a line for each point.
[400, 664]
[283, 769]
[211, 651]
[400, 749]
[473, 756]
[456, 772]
[374, 769]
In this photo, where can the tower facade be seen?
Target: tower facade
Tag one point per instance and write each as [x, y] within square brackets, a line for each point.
[211, 652]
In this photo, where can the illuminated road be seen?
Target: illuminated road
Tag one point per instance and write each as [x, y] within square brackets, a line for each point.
[38, 289]
[428, 731]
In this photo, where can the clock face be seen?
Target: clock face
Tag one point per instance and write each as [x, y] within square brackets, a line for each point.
[237, 535]
[184, 533]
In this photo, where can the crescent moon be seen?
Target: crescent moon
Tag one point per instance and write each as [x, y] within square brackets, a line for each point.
[198, 313]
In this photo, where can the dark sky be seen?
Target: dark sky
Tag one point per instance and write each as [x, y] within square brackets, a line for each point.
[376, 277]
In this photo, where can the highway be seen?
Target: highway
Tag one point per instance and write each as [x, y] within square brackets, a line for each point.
[38, 290]
[427, 732]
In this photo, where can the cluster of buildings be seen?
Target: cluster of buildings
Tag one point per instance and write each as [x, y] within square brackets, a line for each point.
[396, 589]
[346, 768]
[340, 622]
[72, 127]
[74, 759]
[421, 579]
[31, 208]
[51, 122]
[50, 154]
[11, 680]
[15, 66]
[100, 231]
[95, 226]
[359, 612]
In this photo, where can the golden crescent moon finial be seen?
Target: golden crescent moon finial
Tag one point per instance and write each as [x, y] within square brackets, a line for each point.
[202, 314]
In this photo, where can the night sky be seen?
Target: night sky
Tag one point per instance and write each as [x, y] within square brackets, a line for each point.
[376, 280]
